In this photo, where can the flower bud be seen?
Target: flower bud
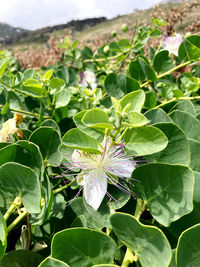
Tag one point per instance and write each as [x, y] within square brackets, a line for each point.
[113, 34]
[106, 49]
[124, 27]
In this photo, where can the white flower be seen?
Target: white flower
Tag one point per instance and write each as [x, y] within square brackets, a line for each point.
[88, 77]
[172, 43]
[10, 127]
[99, 169]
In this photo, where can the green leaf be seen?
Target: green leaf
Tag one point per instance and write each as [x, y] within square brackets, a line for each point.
[162, 62]
[78, 140]
[83, 215]
[56, 85]
[47, 202]
[150, 101]
[186, 106]
[3, 236]
[145, 241]
[118, 85]
[47, 75]
[112, 87]
[96, 118]
[195, 155]
[51, 123]
[135, 99]
[17, 180]
[62, 98]
[50, 262]
[3, 64]
[177, 150]
[190, 48]
[94, 133]
[48, 140]
[136, 71]
[188, 253]
[136, 120]
[144, 141]
[105, 265]
[148, 71]
[188, 123]
[157, 115]
[167, 190]
[91, 246]
[21, 258]
[33, 87]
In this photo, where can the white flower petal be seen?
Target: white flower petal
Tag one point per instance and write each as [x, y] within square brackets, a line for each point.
[95, 188]
[121, 168]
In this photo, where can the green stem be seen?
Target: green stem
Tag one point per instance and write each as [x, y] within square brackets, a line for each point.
[17, 220]
[17, 202]
[140, 207]
[59, 189]
[128, 258]
[168, 72]
[48, 98]
[26, 112]
[121, 136]
[180, 98]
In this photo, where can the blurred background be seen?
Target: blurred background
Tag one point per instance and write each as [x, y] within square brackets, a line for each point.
[34, 30]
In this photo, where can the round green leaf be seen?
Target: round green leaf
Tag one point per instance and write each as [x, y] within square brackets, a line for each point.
[177, 150]
[148, 71]
[167, 190]
[188, 248]
[144, 141]
[190, 48]
[48, 140]
[157, 115]
[94, 133]
[136, 119]
[3, 236]
[188, 123]
[195, 155]
[50, 262]
[83, 247]
[135, 99]
[162, 62]
[25, 153]
[105, 265]
[96, 118]
[186, 106]
[21, 258]
[17, 180]
[76, 139]
[147, 242]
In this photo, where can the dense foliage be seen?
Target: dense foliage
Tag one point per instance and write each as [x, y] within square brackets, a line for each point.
[99, 155]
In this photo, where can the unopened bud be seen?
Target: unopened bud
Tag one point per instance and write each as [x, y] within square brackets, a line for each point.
[124, 27]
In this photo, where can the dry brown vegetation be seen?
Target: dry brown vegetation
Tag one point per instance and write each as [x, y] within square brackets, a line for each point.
[180, 17]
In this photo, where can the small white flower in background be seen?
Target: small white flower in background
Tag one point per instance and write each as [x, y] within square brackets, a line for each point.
[172, 43]
[99, 169]
[10, 127]
[88, 77]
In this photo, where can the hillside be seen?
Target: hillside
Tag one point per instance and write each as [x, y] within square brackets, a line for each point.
[38, 48]
[8, 32]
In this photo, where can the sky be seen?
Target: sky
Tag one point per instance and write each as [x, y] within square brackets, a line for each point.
[35, 14]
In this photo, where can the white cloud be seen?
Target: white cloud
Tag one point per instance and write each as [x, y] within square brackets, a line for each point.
[33, 14]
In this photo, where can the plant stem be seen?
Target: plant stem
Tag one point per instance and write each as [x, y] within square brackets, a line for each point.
[168, 72]
[180, 98]
[59, 189]
[17, 220]
[17, 202]
[26, 112]
[140, 207]
[128, 258]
